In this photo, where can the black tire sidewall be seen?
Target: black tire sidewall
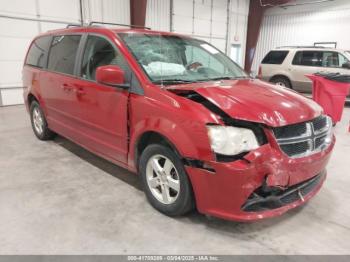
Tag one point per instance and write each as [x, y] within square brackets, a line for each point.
[184, 202]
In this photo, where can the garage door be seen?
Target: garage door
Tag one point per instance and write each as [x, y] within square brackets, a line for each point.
[204, 19]
[16, 32]
[21, 20]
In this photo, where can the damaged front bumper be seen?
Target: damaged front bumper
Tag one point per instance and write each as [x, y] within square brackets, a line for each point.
[269, 198]
[265, 183]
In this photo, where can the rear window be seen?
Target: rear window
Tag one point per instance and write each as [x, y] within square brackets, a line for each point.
[308, 58]
[37, 54]
[63, 53]
[275, 57]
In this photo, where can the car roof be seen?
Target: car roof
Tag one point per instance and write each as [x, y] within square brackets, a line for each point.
[309, 48]
[107, 30]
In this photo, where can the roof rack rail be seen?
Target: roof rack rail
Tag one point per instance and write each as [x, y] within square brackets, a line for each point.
[108, 23]
[73, 25]
[306, 46]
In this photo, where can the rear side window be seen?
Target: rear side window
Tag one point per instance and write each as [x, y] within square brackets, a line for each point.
[275, 57]
[63, 53]
[333, 59]
[37, 54]
[308, 58]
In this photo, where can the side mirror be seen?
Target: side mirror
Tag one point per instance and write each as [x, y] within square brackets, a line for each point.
[111, 75]
[346, 65]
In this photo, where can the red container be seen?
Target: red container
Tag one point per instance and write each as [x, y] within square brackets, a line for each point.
[330, 95]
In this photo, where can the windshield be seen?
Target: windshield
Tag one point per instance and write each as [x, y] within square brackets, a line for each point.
[168, 59]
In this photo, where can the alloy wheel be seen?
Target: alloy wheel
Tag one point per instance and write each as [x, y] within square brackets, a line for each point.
[163, 179]
[38, 121]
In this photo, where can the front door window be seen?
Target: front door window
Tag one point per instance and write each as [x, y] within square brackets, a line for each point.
[100, 52]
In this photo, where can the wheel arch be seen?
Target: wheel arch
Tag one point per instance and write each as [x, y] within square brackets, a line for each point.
[281, 76]
[148, 138]
[31, 98]
[189, 139]
[34, 96]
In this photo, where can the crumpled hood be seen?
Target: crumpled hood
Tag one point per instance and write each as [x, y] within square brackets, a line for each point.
[256, 101]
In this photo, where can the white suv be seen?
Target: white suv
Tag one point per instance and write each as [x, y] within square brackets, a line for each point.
[287, 66]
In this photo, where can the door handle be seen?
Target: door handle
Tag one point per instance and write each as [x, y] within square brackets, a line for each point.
[66, 87]
[80, 91]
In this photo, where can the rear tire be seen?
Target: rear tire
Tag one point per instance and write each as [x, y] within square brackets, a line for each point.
[281, 81]
[38, 121]
[165, 181]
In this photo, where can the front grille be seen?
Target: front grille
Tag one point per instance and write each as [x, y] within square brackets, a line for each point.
[286, 131]
[319, 123]
[296, 149]
[303, 139]
[320, 141]
[262, 201]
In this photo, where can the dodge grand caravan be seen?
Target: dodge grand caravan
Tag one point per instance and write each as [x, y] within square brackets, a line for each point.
[197, 129]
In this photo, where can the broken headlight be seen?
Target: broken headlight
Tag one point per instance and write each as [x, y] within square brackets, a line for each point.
[229, 140]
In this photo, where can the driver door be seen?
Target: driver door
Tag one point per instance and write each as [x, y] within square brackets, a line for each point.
[103, 109]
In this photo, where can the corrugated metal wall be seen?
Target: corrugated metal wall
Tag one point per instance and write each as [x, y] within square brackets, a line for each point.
[304, 25]
[113, 11]
[158, 15]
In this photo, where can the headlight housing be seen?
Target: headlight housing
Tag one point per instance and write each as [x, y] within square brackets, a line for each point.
[230, 140]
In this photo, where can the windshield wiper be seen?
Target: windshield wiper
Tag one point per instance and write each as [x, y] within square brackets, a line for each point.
[184, 81]
[226, 78]
[172, 81]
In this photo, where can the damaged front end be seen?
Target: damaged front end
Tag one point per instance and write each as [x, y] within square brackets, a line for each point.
[226, 121]
[284, 170]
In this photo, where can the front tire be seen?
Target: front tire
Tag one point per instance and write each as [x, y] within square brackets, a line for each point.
[38, 121]
[165, 181]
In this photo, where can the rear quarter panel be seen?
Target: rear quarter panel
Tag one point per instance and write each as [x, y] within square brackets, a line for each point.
[31, 84]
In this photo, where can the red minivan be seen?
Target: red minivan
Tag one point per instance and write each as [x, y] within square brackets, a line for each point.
[197, 129]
